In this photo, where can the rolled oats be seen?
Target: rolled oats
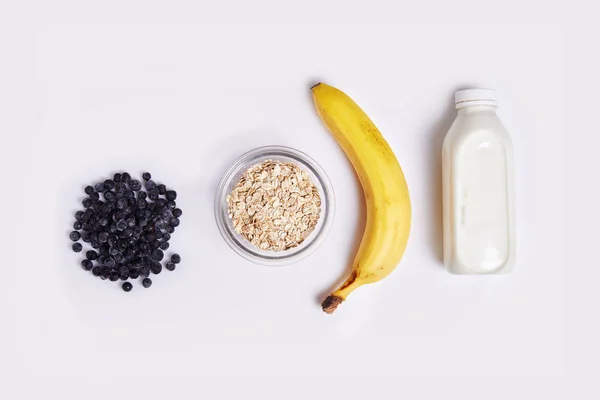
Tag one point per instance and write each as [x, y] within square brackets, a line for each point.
[275, 205]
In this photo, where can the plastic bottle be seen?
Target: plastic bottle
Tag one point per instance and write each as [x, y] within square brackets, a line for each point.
[478, 188]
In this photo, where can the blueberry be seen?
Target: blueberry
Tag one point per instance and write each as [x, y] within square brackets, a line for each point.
[122, 245]
[95, 244]
[156, 268]
[174, 222]
[164, 245]
[95, 196]
[87, 264]
[110, 263]
[150, 185]
[171, 204]
[74, 236]
[91, 255]
[157, 255]
[171, 195]
[113, 250]
[109, 184]
[134, 274]
[85, 236]
[121, 224]
[155, 245]
[141, 195]
[103, 237]
[177, 212]
[87, 202]
[176, 258]
[124, 277]
[146, 176]
[77, 225]
[99, 187]
[109, 195]
[117, 177]
[96, 271]
[79, 215]
[141, 203]
[119, 258]
[125, 177]
[129, 194]
[88, 189]
[127, 286]
[147, 282]
[145, 272]
[170, 266]
[162, 189]
[114, 276]
[153, 194]
[135, 185]
[104, 273]
[169, 229]
[77, 247]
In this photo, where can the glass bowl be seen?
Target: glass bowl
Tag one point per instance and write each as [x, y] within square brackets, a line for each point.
[284, 154]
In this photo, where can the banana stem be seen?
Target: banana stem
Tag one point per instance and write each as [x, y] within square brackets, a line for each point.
[330, 303]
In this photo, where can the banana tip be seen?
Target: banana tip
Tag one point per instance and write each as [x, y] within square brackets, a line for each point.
[315, 85]
[330, 303]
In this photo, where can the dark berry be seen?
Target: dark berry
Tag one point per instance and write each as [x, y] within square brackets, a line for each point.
[141, 195]
[104, 273]
[170, 266]
[134, 274]
[110, 263]
[174, 222]
[95, 196]
[121, 224]
[96, 271]
[74, 236]
[114, 276]
[153, 194]
[77, 247]
[166, 237]
[176, 258]
[88, 190]
[117, 177]
[156, 268]
[171, 195]
[109, 184]
[145, 272]
[169, 229]
[157, 255]
[119, 258]
[146, 176]
[171, 204]
[91, 255]
[155, 245]
[124, 276]
[77, 225]
[162, 189]
[164, 245]
[79, 215]
[141, 203]
[103, 237]
[135, 185]
[113, 250]
[125, 177]
[150, 185]
[128, 195]
[127, 286]
[177, 212]
[95, 244]
[87, 202]
[87, 264]
[147, 282]
[85, 236]
[109, 196]
[99, 187]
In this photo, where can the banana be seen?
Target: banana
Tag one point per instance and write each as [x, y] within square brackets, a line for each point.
[386, 192]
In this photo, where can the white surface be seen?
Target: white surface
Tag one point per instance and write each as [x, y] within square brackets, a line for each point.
[478, 188]
[107, 97]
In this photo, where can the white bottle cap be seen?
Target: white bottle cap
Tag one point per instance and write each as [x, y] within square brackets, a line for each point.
[472, 97]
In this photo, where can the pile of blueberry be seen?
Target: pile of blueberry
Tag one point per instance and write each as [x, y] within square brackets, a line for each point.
[128, 228]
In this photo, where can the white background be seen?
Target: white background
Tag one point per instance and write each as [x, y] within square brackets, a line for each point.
[183, 101]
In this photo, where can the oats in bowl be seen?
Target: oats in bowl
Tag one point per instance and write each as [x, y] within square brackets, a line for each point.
[274, 205]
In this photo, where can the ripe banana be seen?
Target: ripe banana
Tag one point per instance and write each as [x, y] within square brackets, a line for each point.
[386, 193]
